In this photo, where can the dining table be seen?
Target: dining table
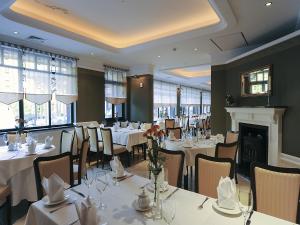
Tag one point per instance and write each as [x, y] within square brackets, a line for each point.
[121, 211]
[16, 171]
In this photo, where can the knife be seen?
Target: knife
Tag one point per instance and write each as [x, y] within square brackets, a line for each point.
[172, 193]
[124, 178]
[77, 192]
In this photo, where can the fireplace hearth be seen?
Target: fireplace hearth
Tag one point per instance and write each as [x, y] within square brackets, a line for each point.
[253, 146]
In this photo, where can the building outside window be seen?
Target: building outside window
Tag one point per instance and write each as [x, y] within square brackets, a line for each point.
[190, 100]
[36, 86]
[206, 102]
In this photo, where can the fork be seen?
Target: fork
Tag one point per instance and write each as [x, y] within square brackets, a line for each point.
[201, 206]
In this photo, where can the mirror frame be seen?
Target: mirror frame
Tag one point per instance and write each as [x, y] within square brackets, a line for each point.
[269, 93]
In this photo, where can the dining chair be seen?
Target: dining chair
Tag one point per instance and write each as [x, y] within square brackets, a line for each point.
[96, 145]
[66, 141]
[109, 148]
[177, 132]
[62, 165]
[124, 124]
[80, 169]
[231, 136]
[147, 126]
[276, 191]
[174, 161]
[208, 171]
[5, 199]
[169, 123]
[135, 125]
[80, 136]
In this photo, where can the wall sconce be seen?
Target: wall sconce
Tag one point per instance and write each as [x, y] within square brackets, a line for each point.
[141, 84]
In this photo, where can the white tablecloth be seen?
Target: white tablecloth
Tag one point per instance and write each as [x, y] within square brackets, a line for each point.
[203, 146]
[16, 170]
[128, 137]
[120, 211]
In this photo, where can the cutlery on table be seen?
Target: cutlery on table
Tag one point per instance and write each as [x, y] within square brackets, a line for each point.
[74, 222]
[77, 192]
[249, 218]
[124, 178]
[201, 206]
[172, 193]
[60, 207]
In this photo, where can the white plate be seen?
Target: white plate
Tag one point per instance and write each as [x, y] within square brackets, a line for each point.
[137, 208]
[235, 211]
[48, 203]
[150, 188]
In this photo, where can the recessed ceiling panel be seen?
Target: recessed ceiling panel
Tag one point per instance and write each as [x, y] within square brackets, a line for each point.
[230, 41]
[121, 23]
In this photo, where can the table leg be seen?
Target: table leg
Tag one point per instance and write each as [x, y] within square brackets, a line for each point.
[186, 179]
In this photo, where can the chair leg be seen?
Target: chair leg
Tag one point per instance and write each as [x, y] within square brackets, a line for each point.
[102, 161]
[128, 159]
[8, 205]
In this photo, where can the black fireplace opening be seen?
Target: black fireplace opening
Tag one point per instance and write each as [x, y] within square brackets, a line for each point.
[253, 146]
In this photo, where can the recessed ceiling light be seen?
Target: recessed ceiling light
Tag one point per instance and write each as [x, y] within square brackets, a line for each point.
[92, 53]
[16, 32]
[196, 49]
[158, 56]
[268, 4]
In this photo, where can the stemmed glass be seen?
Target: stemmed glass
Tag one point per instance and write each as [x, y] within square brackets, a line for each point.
[168, 211]
[245, 202]
[89, 180]
[5, 138]
[101, 186]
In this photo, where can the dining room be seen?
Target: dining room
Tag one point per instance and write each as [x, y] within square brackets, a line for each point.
[136, 112]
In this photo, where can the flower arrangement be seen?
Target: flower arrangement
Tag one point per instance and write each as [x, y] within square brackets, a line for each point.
[156, 160]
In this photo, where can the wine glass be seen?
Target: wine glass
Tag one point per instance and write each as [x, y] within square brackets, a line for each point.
[88, 180]
[168, 211]
[245, 202]
[101, 186]
[5, 138]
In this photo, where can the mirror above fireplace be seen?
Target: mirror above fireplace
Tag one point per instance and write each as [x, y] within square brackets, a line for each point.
[257, 82]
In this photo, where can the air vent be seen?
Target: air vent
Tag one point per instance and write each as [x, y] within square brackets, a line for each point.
[36, 39]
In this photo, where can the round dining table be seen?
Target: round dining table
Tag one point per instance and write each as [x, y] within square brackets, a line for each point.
[16, 171]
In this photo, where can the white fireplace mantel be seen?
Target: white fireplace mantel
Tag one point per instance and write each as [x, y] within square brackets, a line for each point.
[270, 117]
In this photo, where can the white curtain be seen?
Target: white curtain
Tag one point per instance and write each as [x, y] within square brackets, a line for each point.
[164, 94]
[206, 98]
[11, 77]
[115, 85]
[190, 96]
[36, 75]
[66, 81]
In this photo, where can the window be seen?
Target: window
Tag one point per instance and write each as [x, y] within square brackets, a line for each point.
[206, 101]
[165, 100]
[190, 101]
[39, 87]
[115, 92]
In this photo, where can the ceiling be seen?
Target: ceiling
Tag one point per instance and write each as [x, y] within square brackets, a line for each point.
[147, 32]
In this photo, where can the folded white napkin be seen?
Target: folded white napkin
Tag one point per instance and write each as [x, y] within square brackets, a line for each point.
[54, 188]
[31, 146]
[87, 212]
[117, 166]
[130, 126]
[48, 141]
[226, 193]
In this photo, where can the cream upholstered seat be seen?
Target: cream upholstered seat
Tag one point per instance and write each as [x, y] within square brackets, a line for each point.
[169, 123]
[80, 136]
[177, 132]
[5, 199]
[124, 124]
[276, 191]
[135, 125]
[66, 141]
[147, 126]
[110, 149]
[95, 144]
[80, 169]
[61, 165]
[174, 166]
[209, 170]
[231, 137]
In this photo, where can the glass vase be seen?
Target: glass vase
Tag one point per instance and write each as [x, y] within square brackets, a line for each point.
[157, 203]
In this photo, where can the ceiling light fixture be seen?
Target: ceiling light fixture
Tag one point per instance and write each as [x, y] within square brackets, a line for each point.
[92, 53]
[196, 49]
[158, 56]
[268, 4]
[16, 32]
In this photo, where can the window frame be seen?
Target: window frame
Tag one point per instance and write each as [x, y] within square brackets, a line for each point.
[50, 126]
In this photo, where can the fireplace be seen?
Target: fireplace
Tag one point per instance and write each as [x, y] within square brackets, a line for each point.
[253, 146]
